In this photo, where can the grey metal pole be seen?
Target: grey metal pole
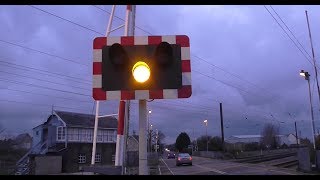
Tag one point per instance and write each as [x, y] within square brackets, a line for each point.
[207, 135]
[313, 58]
[222, 132]
[295, 127]
[148, 129]
[95, 132]
[312, 116]
[156, 149]
[143, 163]
[128, 31]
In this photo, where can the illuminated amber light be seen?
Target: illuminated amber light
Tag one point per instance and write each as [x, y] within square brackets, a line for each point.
[141, 72]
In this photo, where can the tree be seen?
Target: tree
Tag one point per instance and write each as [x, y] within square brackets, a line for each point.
[215, 144]
[171, 147]
[318, 142]
[202, 143]
[1, 129]
[306, 142]
[251, 146]
[269, 138]
[182, 141]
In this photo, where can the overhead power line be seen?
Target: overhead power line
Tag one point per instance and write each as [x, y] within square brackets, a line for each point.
[70, 99]
[44, 87]
[150, 34]
[42, 52]
[35, 104]
[291, 32]
[288, 35]
[121, 19]
[237, 76]
[225, 83]
[66, 20]
[50, 72]
[68, 85]
[47, 74]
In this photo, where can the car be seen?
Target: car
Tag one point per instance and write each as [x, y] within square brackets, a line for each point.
[183, 158]
[171, 155]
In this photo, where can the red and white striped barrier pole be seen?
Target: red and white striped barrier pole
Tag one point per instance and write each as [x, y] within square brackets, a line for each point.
[120, 138]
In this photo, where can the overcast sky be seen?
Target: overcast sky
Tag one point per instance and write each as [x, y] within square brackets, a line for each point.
[247, 62]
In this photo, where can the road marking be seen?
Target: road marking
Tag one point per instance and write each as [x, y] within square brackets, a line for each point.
[159, 170]
[167, 166]
[211, 169]
[281, 172]
[259, 167]
[265, 168]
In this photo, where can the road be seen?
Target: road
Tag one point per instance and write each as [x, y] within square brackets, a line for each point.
[207, 166]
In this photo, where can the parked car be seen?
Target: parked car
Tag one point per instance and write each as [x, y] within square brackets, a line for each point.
[183, 158]
[171, 155]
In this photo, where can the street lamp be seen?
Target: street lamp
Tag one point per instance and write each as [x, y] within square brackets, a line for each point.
[306, 75]
[206, 124]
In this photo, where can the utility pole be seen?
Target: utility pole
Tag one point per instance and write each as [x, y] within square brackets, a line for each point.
[193, 143]
[312, 115]
[295, 127]
[313, 58]
[222, 133]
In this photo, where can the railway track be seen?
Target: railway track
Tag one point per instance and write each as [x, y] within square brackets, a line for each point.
[263, 158]
[287, 164]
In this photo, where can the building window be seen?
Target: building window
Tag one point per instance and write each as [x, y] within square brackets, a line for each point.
[61, 133]
[98, 158]
[82, 134]
[109, 136]
[99, 136]
[114, 136]
[37, 133]
[86, 135]
[90, 135]
[73, 134]
[82, 159]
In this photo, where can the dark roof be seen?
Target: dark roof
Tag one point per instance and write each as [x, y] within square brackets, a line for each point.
[86, 120]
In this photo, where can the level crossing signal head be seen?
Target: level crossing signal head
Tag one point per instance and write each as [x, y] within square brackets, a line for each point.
[141, 67]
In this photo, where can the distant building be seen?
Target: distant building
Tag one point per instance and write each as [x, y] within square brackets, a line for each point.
[238, 141]
[288, 139]
[283, 139]
[22, 141]
[244, 139]
[70, 135]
